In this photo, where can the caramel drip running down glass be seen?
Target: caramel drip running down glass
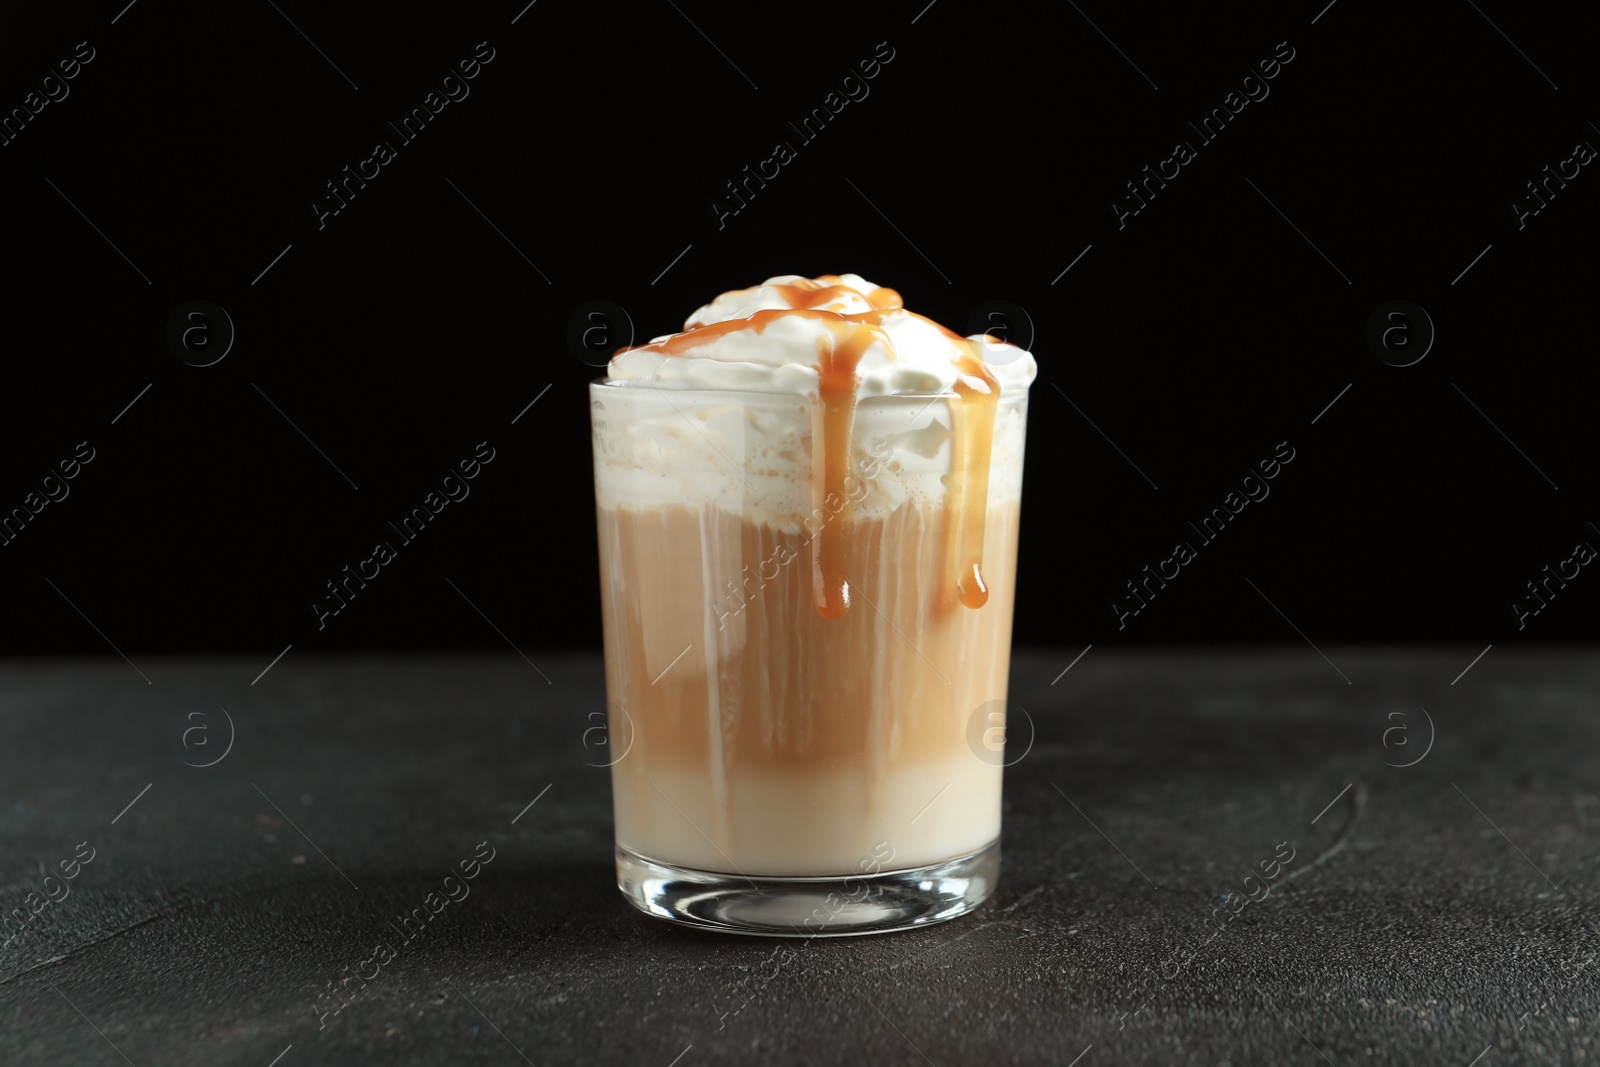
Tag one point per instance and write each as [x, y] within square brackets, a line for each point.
[808, 505]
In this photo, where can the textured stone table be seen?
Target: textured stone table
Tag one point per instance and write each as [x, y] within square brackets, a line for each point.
[1430, 912]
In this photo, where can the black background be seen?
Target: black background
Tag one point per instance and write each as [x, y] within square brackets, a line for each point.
[408, 329]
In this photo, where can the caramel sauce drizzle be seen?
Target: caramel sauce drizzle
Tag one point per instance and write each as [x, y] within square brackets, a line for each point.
[837, 378]
[969, 483]
[838, 357]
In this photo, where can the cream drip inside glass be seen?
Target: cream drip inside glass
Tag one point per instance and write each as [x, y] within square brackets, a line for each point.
[808, 505]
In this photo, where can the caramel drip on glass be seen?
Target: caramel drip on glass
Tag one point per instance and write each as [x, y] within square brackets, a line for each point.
[839, 353]
[974, 416]
[836, 388]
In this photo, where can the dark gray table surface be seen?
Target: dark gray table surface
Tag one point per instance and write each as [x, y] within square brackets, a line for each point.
[1433, 913]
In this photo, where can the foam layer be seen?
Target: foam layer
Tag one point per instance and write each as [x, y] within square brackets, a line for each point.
[750, 453]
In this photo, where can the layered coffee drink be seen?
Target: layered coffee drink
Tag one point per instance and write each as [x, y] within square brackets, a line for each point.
[808, 505]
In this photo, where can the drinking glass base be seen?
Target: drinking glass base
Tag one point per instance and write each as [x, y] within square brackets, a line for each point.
[838, 906]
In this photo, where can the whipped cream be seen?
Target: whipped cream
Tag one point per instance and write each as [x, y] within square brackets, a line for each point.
[730, 415]
[845, 294]
[780, 347]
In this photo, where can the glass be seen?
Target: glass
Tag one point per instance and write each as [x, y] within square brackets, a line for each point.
[783, 773]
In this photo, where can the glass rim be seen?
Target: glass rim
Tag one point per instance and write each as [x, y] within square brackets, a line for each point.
[638, 385]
